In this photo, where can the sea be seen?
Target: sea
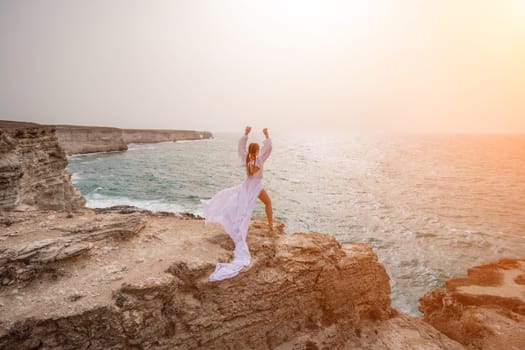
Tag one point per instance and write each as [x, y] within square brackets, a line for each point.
[430, 206]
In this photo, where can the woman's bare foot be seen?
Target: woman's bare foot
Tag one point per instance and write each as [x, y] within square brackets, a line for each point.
[270, 227]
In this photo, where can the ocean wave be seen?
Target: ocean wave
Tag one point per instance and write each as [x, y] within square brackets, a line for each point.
[97, 200]
[75, 178]
[142, 146]
[186, 141]
[150, 145]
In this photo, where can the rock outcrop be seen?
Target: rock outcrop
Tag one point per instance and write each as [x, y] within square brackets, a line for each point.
[485, 310]
[33, 169]
[91, 139]
[147, 287]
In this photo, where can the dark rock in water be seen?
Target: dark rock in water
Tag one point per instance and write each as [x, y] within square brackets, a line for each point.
[128, 209]
[190, 216]
[121, 209]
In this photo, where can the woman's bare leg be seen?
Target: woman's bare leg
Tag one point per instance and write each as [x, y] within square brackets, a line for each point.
[263, 196]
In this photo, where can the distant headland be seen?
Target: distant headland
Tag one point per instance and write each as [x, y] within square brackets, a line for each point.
[76, 139]
[81, 139]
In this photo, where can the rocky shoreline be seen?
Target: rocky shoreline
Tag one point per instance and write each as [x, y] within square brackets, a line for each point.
[124, 278]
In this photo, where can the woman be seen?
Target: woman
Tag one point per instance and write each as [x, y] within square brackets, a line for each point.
[233, 207]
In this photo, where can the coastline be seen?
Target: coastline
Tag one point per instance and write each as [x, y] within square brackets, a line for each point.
[77, 139]
[119, 276]
[92, 153]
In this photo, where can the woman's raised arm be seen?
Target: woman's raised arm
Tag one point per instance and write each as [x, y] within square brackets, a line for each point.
[241, 148]
[267, 146]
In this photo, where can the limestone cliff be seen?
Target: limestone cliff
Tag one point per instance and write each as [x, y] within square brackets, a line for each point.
[33, 169]
[485, 310]
[91, 139]
[128, 279]
[150, 136]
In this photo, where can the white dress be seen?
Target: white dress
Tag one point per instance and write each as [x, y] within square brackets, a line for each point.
[233, 207]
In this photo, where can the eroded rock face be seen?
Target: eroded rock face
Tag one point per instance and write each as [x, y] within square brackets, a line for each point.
[33, 169]
[485, 310]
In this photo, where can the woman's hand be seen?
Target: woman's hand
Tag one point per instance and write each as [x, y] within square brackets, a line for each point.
[247, 130]
[265, 132]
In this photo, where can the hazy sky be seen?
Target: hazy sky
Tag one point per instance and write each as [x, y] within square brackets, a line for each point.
[370, 65]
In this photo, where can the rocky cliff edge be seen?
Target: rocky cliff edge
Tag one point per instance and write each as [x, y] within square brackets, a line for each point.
[128, 279]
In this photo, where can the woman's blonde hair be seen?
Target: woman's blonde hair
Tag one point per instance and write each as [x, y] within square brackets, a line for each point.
[252, 152]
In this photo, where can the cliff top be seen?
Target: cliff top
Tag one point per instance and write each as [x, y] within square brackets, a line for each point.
[66, 126]
[5, 124]
[16, 124]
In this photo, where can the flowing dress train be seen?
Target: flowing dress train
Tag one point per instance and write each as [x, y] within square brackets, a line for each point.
[233, 207]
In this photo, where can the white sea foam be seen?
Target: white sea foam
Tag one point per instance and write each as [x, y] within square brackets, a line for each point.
[147, 145]
[75, 178]
[142, 146]
[97, 200]
[186, 141]
[198, 212]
